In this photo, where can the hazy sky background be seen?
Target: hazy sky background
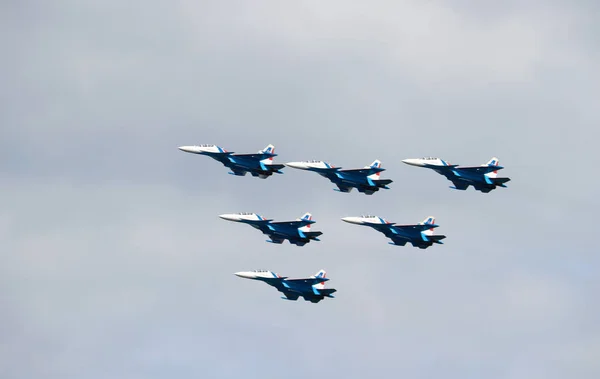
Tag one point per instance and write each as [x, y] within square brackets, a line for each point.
[114, 263]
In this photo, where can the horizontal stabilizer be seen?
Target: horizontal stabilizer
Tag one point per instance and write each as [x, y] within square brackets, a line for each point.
[327, 291]
[275, 167]
[436, 239]
[501, 180]
[383, 182]
[312, 234]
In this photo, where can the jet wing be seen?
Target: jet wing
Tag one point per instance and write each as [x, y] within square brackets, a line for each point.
[275, 240]
[460, 185]
[237, 172]
[297, 242]
[364, 171]
[367, 190]
[293, 224]
[256, 156]
[290, 295]
[313, 298]
[306, 281]
[400, 241]
[480, 169]
[414, 228]
[343, 188]
[483, 188]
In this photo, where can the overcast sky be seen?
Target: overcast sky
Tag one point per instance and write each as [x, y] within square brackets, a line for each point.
[114, 263]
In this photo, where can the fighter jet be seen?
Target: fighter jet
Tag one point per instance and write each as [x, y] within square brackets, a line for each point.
[259, 165]
[420, 235]
[296, 232]
[483, 178]
[365, 180]
[311, 289]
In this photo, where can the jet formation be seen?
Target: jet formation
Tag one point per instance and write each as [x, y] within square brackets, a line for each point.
[419, 235]
[366, 180]
[311, 289]
[297, 232]
[483, 178]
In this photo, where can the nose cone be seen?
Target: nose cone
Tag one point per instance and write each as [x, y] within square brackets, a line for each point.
[244, 274]
[300, 165]
[188, 149]
[413, 162]
[353, 220]
[230, 217]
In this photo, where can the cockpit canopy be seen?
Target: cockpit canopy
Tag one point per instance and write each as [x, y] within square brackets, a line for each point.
[205, 145]
[429, 158]
[246, 213]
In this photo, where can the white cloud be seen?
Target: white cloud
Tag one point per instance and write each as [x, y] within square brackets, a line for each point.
[115, 264]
